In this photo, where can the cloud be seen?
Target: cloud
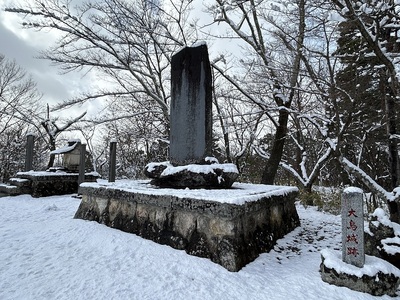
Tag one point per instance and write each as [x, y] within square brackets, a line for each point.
[24, 46]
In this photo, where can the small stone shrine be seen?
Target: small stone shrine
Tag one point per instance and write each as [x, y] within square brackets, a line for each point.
[355, 270]
[191, 164]
[71, 155]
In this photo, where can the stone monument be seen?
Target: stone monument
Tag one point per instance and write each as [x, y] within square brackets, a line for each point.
[355, 270]
[191, 164]
[191, 106]
[230, 228]
[353, 227]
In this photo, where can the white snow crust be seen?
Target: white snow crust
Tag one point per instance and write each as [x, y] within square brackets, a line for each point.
[200, 169]
[65, 149]
[47, 254]
[352, 189]
[239, 194]
[333, 260]
[199, 43]
[390, 245]
[45, 173]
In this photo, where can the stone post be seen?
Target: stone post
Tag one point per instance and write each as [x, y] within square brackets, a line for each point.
[30, 139]
[191, 106]
[82, 148]
[353, 227]
[113, 159]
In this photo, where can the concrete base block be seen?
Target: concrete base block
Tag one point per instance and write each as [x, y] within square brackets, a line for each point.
[229, 234]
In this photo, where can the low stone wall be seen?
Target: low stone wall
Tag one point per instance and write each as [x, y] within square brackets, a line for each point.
[42, 184]
[231, 235]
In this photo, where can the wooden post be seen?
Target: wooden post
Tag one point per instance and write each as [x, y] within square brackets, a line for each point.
[30, 138]
[81, 177]
[113, 159]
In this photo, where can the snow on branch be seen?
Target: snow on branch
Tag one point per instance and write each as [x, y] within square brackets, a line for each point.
[368, 181]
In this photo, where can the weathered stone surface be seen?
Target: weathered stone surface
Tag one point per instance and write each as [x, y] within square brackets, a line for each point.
[353, 227]
[42, 184]
[207, 176]
[379, 233]
[191, 106]
[379, 284]
[228, 234]
[185, 178]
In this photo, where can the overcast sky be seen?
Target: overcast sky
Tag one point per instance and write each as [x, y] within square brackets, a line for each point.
[23, 46]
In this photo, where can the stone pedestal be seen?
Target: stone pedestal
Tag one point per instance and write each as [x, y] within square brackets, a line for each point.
[377, 277]
[231, 233]
[213, 176]
[42, 184]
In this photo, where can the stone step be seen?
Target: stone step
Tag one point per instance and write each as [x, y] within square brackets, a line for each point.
[19, 182]
[9, 190]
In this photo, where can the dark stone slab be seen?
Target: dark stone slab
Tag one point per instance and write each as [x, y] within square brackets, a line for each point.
[231, 235]
[191, 106]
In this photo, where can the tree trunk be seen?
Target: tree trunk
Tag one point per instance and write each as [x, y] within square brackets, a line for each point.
[50, 164]
[394, 208]
[272, 165]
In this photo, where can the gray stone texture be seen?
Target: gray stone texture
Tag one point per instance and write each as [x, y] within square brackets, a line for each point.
[228, 234]
[112, 161]
[377, 285]
[30, 141]
[219, 179]
[353, 228]
[46, 185]
[191, 106]
[373, 243]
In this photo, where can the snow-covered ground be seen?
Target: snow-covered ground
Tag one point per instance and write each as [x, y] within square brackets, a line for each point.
[46, 254]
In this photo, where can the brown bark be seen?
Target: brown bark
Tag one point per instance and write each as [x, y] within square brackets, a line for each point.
[272, 165]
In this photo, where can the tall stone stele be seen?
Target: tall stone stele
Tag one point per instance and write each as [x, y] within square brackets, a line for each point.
[191, 106]
[191, 127]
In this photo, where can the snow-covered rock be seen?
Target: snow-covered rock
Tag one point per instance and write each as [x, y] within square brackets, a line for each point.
[377, 277]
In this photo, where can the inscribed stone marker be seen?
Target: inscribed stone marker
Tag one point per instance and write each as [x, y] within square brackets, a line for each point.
[353, 227]
[191, 106]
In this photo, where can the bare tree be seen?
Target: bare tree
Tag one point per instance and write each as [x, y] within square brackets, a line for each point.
[273, 89]
[19, 115]
[129, 44]
[377, 23]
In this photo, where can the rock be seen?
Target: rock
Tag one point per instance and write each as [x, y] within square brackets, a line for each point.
[381, 240]
[196, 176]
[376, 282]
[154, 170]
